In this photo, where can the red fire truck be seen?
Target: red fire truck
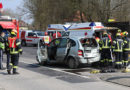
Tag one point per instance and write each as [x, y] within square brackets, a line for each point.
[7, 24]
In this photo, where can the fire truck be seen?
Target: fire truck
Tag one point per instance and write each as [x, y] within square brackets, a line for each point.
[7, 24]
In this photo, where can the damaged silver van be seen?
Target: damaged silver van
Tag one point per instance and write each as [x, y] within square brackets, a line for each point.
[72, 51]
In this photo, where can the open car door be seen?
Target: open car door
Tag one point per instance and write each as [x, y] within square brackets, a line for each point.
[52, 48]
[42, 55]
[62, 49]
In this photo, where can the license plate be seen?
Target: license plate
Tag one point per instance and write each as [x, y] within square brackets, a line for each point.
[87, 51]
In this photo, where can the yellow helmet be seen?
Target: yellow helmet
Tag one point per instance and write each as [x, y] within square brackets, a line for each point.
[13, 32]
[125, 33]
[118, 34]
[119, 30]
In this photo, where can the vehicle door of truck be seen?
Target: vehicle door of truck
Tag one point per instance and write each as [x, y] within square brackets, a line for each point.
[62, 50]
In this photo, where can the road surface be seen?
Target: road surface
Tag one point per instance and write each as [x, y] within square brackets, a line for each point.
[35, 77]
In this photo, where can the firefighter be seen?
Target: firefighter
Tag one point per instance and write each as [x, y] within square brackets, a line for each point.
[2, 47]
[105, 48]
[7, 51]
[46, 39]
[96, 37]
[56, 35]
[126, 49]
[118, 50]
[14, 46]
[120, 31]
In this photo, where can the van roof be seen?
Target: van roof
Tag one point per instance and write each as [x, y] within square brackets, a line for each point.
[75, 26]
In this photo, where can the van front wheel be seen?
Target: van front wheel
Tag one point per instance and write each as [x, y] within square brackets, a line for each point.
[72, 63]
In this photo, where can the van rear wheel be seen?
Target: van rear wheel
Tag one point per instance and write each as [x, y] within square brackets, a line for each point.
[72, 63]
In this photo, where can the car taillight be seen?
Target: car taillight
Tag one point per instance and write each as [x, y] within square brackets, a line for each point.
[80, 53]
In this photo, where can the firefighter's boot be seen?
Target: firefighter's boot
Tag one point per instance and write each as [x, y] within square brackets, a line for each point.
[15, 70]
[10, 68]
[9, 71]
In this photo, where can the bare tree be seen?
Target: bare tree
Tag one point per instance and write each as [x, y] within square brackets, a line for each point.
[46, 12]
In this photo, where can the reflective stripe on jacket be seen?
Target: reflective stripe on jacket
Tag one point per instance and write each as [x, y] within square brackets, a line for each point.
[2, 45]
[105, 43]
[118, 45]
[14, 45]
[12, 42]
[126, 45]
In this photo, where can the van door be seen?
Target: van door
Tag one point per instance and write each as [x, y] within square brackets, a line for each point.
[31, 37]
[62, 50]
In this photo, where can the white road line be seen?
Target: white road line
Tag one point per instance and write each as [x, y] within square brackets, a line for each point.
[62, 71]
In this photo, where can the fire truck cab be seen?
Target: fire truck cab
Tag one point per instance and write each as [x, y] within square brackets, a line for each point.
[7, 24]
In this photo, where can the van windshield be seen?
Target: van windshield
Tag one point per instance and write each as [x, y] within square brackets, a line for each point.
[40, 33]
[88, 42]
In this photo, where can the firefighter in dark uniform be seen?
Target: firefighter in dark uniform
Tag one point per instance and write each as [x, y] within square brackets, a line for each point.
[14, 46]
[2, 47]
[118, 50]
[126, 49]
[105, 47]
[7, 52]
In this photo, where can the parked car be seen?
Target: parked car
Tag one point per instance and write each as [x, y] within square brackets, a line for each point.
[30, 37]
[72, 51]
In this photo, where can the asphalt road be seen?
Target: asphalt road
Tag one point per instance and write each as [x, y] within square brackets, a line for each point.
[35, 77]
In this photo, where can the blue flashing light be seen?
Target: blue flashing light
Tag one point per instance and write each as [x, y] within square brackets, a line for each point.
[92, 24]
[49, 26]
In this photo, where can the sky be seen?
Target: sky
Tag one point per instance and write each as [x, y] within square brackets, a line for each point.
[12, 4]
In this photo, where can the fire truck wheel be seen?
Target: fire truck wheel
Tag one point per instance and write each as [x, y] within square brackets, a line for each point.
[24, 43]
[72, 63]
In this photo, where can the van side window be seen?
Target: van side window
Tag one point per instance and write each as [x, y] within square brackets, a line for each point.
[31, 34]
[63, 43]
[73, 43]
